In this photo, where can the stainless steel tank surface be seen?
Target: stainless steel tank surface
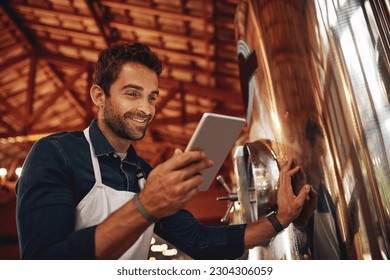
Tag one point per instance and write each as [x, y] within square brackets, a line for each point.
[316, 85]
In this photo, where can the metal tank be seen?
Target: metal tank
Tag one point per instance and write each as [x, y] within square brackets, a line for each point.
[315, 82]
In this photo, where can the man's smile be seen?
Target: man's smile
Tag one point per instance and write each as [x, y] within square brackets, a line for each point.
[138, 120]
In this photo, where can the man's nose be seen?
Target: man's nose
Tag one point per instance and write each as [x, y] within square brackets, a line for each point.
[144, 106]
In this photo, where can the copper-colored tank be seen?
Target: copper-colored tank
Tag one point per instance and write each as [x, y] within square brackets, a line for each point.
[316, 85]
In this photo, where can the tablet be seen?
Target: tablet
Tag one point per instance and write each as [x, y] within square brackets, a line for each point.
[215, 136]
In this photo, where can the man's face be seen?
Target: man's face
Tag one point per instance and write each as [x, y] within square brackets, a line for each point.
[130, 108]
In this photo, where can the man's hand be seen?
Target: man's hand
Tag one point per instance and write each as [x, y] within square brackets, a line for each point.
[307, 210]
[173, 183]
[290, 205]
[259, 233]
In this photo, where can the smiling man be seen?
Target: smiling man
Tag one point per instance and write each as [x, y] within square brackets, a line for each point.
[88, 195]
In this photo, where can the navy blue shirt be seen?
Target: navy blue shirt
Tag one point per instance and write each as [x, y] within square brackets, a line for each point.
[56, 176]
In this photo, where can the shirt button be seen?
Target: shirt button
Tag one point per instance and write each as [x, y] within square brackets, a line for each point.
[115, 155]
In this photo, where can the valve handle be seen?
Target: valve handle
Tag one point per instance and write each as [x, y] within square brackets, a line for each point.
[232, 197]
[223, 182]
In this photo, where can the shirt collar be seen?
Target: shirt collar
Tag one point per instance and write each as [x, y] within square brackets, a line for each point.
[101, 146]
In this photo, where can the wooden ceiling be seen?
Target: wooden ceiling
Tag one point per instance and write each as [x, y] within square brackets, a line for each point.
[48, 50]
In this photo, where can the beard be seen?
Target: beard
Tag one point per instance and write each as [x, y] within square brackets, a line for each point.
[121, 125]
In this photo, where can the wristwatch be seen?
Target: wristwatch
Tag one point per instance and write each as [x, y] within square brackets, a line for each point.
[274, 221]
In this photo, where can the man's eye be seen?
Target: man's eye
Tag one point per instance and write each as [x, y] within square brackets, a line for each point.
[152, 98]
[132, 93]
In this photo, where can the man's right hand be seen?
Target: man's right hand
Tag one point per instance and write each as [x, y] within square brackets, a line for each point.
[173, 183]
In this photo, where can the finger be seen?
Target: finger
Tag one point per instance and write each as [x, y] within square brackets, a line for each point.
[303, 195]
[195, 168]
[313, 197]
[286, 166]
[179, 175]
[177, 152]
[178, 161]
[190, 184]
[291, 172]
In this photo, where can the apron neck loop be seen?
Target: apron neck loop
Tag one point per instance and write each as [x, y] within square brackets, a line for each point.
[95, 162]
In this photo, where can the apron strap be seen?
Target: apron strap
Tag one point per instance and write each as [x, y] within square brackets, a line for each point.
[95, 162]
[141, 179]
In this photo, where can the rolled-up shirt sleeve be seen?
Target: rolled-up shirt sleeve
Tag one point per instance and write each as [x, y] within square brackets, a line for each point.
[46, 207]
[201, 242]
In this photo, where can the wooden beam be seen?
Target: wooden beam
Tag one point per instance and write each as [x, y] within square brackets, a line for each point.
[8, 29]
[224, 95]
[177, 120]
[6, 49]
[39, 113]
[79, 104]
[66, 32]
[18, 23]
[170, 53]
[13, 62]
[99, 20]
[31, 85]
[6, 125]
[170, 95]
[50, 13]
[152, 11]
[13, 113]
[158, 33]
[160, 51]
[62, 60]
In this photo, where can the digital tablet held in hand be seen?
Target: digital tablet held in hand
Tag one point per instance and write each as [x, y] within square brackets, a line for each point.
[215, 135]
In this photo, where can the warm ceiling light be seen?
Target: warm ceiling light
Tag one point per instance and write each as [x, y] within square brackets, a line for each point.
[3, 172]
[18, 171]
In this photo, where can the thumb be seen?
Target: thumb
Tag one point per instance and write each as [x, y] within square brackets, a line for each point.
[177, 152]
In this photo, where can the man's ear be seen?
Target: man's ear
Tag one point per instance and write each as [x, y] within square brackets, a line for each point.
[97, 95]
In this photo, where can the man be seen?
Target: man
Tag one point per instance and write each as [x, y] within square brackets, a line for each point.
[82, 195]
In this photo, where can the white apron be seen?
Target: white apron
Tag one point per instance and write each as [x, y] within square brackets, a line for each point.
[101, 201]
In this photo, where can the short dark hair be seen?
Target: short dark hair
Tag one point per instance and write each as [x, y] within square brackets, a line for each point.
[111, 60]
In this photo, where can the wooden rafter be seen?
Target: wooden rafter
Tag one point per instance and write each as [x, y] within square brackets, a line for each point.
[13, 62]
[39, 113]
[66, 32]
[79, 104]
[153, 32]
[99, 21]
[153, 11]
[190, 88]
[163, 102]
[31, 85]
[18, 24]
[7, 125]
[177, 120]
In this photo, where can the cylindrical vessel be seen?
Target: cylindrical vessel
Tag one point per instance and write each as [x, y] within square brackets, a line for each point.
[315, 82]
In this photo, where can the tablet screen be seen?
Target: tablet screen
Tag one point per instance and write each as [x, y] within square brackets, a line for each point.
[215, 135]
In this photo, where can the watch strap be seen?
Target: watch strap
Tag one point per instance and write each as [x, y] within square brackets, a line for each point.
[274, 221]
[143, 211]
